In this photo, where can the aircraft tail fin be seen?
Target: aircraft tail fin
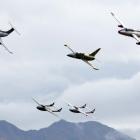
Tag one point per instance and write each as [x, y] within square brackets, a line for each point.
[95, 52]
[12, 29]
[50, 105]
[83, 106]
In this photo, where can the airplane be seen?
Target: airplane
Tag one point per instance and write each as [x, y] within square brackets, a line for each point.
[75, 109]
[6, 33]
[47, 108]
[127, 31]
[84, 57]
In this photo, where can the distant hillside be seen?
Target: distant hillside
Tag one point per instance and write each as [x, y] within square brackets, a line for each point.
[62, 130]
[133, 133]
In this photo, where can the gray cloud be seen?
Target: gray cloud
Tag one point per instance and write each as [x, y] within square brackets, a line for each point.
[112, 96]
[40, 68]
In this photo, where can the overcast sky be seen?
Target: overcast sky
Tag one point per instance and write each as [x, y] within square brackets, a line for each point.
[40, 68]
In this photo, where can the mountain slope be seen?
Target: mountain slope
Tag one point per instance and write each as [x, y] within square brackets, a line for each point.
[62, 130]
[131, 132]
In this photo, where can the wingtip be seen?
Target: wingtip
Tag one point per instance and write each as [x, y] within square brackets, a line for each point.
[65, 45]
[112, 13]
[95, 69]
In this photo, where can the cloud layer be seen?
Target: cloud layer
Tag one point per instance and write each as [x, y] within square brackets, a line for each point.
[40, 68]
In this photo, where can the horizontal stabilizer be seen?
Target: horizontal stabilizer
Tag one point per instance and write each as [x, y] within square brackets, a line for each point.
[95, 52]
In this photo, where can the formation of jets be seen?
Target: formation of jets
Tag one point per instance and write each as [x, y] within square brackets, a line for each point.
[82, 56]
[73, 109]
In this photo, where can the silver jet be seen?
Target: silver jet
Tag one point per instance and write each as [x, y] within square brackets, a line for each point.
[5, 34]
[84, 57]
[47, 108]
[76, 109]
[127, 31]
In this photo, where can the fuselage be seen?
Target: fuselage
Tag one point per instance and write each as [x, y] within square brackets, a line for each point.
[81, 56]
[42, 108]
[129, 32]
[74, 110]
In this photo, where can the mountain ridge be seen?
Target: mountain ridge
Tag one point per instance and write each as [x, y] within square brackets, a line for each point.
[62, 130]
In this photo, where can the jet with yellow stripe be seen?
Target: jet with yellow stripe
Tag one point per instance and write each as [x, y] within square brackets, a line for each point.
[82, 56]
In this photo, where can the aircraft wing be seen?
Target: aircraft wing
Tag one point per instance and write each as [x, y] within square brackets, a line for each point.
[90, 65]
[136, 37]
[121, 25]
[82, 112]
[51, 112]
[91, 111]
[58, 110]
[1, 43]
[69, 48]
[50, 105]
[36, 101]
[69, 104]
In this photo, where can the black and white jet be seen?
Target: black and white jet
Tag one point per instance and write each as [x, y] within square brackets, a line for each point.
[76, 109]
[84, 57]
[47, 108]
[5, 34]
[127, 31]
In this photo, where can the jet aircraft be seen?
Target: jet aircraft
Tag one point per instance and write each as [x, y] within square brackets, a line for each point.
[47, 108]
[76, 109]
[6, 33]
[127, 31]
[82, 56]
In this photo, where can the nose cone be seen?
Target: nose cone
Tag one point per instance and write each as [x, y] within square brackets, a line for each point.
[70, 55]
[121, 31]
[38, 107]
